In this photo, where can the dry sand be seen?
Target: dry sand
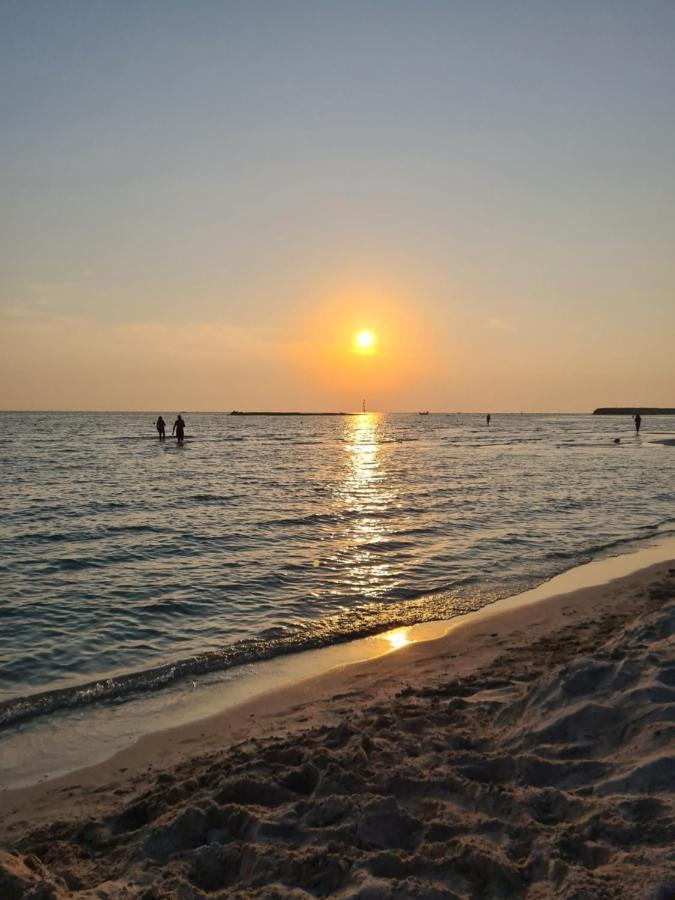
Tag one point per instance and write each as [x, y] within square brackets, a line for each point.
[528, 754]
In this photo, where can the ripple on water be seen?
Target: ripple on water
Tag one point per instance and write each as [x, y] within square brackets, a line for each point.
[126, 568]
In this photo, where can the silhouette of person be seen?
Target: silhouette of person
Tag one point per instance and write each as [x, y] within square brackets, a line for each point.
[638, 422]
[487, 418]
[179, 429]
[160, 424]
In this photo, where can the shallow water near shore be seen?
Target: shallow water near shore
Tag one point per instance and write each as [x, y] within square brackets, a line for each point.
[129, 565]
[64, 743]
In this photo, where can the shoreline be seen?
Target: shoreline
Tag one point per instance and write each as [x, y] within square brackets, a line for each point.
[498, 664]
[53, 747]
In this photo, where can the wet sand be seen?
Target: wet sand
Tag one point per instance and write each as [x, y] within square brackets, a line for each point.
[528, 753]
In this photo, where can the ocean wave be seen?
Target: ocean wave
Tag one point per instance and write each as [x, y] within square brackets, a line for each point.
[250, 650]
[466, 593]
[592, 550]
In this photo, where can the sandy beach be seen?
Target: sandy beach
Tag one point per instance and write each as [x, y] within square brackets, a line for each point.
[529, 753]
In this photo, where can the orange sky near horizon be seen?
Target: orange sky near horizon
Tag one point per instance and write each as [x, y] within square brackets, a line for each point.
[308, 361]
[326, 353]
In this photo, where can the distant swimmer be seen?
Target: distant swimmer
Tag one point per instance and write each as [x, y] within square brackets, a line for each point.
[487, 418]
[179, 429]
[638, 422]
[160, 425]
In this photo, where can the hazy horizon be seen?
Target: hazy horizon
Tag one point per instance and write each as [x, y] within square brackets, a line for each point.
[202, 206]
[328, 412]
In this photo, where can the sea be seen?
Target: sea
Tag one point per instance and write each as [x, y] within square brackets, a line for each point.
[129, 565]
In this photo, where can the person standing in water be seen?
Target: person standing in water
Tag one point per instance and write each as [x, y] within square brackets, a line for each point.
[179, 429]
[160, 425]
[487, 418]
[638, 422]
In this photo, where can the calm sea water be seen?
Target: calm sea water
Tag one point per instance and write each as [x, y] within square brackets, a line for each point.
[127, 564]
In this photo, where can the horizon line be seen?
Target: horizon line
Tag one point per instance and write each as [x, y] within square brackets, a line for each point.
[279, 412]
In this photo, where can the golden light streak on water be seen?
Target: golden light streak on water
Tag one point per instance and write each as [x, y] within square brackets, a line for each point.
[365, 492]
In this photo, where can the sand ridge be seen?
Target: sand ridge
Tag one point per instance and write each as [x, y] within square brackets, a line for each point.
[546, 769]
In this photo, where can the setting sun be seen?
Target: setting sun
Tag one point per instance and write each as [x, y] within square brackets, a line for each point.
[364, 341]
[357, 338]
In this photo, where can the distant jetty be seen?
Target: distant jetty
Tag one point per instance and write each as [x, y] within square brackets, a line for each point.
[634, 410]
[237, 412]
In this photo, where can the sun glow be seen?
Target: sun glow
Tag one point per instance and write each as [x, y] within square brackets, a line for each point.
[365, 341]
[356, 340]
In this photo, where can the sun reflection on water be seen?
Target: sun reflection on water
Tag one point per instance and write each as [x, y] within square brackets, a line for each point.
[397, 638]
[365, 498]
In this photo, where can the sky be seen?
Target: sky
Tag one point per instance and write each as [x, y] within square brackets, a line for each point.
[203, 202]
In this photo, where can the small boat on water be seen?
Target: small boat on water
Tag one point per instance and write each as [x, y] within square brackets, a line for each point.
[425, 413]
